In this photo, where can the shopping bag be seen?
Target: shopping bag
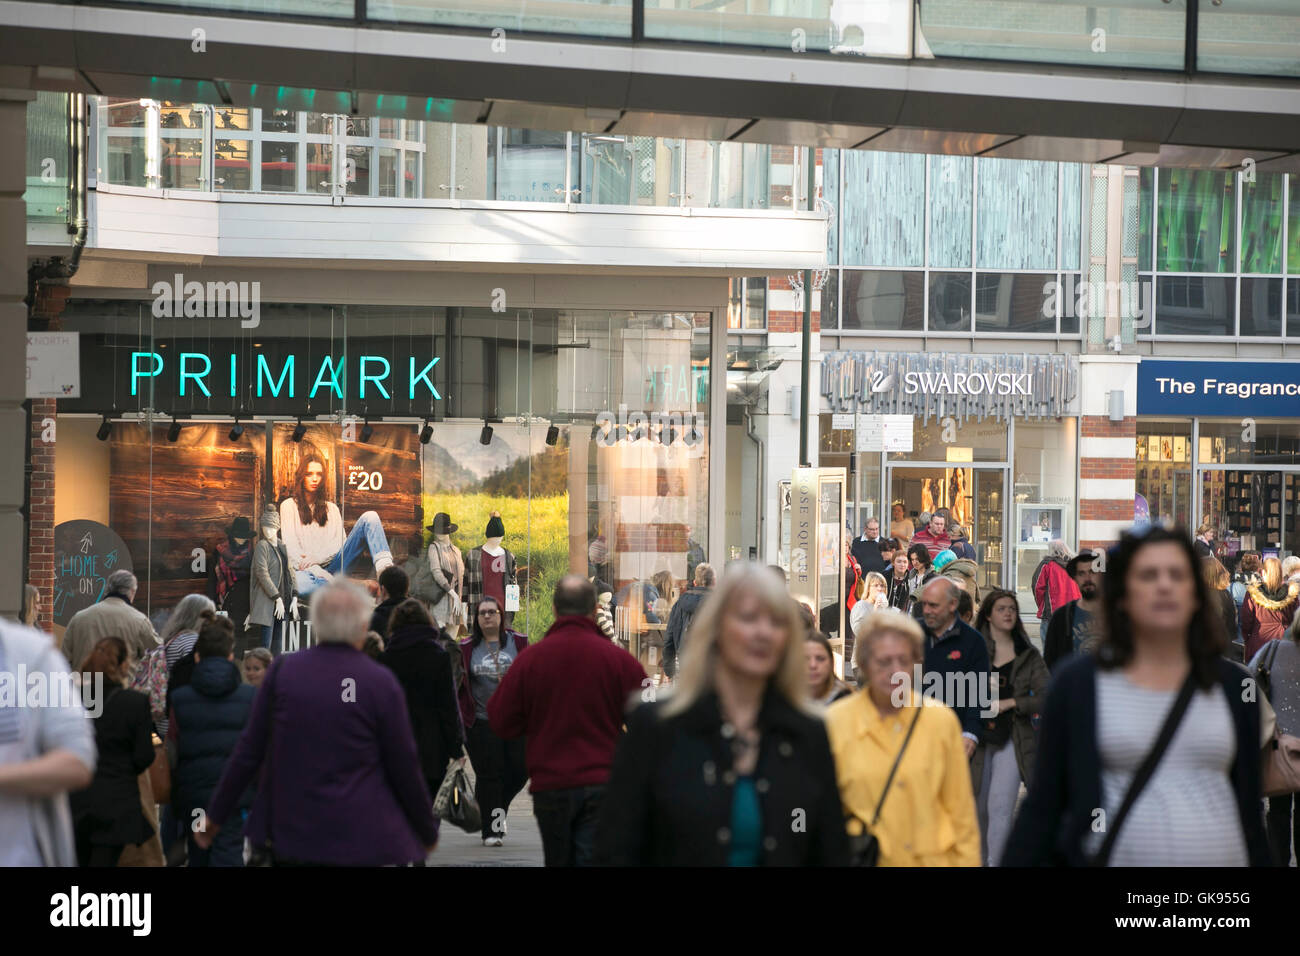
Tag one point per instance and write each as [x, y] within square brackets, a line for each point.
[455, 801]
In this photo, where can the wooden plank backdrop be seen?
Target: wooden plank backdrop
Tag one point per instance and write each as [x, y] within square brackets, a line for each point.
[166, 499]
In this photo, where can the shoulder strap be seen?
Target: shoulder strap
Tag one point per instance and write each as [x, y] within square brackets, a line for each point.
[1148, 768]
[894, 769]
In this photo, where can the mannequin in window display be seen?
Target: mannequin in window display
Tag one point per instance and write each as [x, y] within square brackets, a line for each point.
[274, 591]
[489, 569]
[312, 527]
[447, 566]
[927, 497]
[231, 575]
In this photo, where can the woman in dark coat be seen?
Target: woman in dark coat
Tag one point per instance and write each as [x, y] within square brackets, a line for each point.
[734, 769]
[1163, 642]
[107, 816]
[412, 652]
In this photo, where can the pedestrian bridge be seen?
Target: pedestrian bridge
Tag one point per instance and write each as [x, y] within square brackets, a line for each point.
[1171, 82]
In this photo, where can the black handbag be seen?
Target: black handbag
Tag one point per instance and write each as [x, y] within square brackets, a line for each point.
[864, 848]
[455, 800]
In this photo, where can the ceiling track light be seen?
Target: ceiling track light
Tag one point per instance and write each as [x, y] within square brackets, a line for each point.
[236, 431]
[299, 431]
[485, 436]
[105, 429]
[366, 430]
[426, 433]
[552, 434]
[174, 431]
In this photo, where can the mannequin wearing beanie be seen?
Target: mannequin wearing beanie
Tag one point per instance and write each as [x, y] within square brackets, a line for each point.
[489, 569]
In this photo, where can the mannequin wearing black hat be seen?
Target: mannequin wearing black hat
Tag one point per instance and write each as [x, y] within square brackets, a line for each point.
[447, 565]
[490, 568]
[232, 572]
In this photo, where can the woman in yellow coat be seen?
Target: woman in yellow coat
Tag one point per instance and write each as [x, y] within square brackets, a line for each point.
[928, 817]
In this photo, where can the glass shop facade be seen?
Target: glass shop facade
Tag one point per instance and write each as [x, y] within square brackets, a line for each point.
[993, 438]
[1219, 443]
[586, 431]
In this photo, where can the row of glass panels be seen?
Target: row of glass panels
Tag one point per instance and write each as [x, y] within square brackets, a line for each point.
[1260, 37]
[185, 146]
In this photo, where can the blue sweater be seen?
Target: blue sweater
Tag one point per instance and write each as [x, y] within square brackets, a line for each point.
[209, 714]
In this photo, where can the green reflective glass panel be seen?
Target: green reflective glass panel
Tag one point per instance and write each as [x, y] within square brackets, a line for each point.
[1261, 222]
[1194, 221]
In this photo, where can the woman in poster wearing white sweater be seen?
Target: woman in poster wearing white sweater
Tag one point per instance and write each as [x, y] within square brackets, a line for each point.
[312, 527]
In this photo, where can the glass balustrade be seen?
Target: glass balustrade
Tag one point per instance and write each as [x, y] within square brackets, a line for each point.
[196, 147]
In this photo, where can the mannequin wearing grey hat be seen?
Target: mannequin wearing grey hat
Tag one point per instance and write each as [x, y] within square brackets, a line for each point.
[447, 565]
[274, 589]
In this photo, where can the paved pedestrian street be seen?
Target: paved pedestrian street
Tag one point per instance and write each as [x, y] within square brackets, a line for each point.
[523, 843]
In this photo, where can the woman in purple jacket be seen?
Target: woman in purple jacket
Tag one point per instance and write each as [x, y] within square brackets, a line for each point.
[340, 779]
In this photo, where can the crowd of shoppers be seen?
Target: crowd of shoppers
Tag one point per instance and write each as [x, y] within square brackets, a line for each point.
[943, 742]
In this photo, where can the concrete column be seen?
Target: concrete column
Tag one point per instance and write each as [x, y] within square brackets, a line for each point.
[1107, 449]
[13, 343]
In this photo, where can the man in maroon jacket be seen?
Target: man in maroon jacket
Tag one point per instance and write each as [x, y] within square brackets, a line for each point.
[568, 695]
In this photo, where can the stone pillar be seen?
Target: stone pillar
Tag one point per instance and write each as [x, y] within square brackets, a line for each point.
[13, 343]
[1107, 449]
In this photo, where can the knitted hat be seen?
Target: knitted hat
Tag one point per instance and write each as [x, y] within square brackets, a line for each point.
[943, 559]
[495, 528]
[271, 517]
[597, 551]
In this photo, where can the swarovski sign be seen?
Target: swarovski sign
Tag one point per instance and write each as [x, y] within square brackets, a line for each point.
[964, 383]
[936, 384]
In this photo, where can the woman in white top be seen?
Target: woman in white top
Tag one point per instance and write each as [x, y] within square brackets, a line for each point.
[312, 527]
[900, 527]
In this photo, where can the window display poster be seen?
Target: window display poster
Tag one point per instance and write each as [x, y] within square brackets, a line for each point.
[828, 538]
[1041, 523]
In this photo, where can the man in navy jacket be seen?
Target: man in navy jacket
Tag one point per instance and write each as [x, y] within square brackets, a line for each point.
[956, 658]
[207, 716]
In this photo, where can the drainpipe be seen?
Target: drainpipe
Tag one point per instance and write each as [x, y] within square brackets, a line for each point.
[762, 483]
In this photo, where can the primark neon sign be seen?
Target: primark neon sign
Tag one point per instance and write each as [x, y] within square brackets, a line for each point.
[374, 374]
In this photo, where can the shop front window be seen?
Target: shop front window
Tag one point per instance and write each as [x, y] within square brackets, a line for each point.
[1043, 492]
[584, 432]
[948, 439]
[1163, 473]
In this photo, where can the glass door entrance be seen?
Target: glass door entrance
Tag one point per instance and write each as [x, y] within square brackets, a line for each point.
[1252, 510]
[973, 497]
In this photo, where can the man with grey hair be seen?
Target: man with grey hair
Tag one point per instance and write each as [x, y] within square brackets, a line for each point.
[956, 657]
[330, 740]
[683, 612]
[113, 616]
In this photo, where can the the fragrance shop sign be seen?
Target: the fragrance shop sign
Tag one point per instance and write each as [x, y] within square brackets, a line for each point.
[931, 384]
[1218, 388]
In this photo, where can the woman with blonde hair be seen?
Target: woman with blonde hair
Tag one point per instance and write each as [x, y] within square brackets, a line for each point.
[713, 774]
[1269, 608]
[904, 778]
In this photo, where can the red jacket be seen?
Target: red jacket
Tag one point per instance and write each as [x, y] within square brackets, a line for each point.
[568, 695]
[1053, 589]
[1265, 616]
[463, 695]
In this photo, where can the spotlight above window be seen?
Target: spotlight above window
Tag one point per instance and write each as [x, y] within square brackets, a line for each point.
[426, 433]
[236, 431]
[174, 432]
[105, 429]
[485, 436]
[299, 431]
[552, 434]
[366, 431]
